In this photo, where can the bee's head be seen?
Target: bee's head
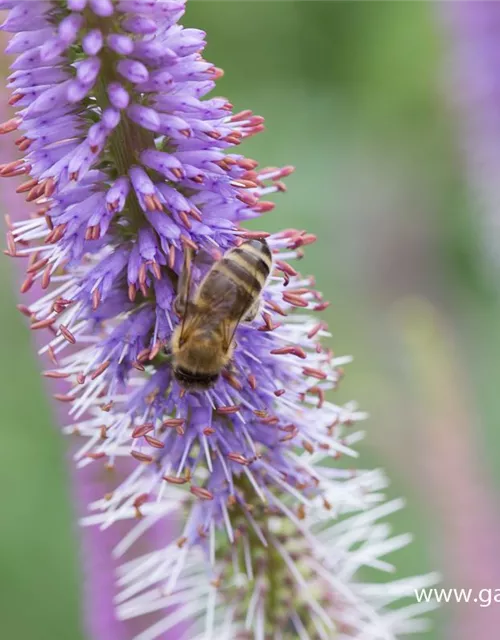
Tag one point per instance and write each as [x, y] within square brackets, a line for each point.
[198, 357]
[194, 381]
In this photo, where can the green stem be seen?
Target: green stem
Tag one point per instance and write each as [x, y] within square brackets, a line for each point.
[273, 577]
[127, 140]
[275, 568]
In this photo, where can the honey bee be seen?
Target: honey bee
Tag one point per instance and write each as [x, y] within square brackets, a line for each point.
[202, 344]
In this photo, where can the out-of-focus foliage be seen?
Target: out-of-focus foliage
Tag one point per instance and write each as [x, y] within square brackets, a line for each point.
[353, 95]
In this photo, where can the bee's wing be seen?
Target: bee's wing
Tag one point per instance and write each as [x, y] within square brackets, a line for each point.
[185, 306]
[184, 282]
[182, 301]
[231, 324]
[229, 329]
[245, 301]
[191, 260]
[224, 301]
[191, 321]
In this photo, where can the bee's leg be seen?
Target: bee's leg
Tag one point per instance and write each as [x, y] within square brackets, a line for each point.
[180, 305]
[252, 311]
[230, 368]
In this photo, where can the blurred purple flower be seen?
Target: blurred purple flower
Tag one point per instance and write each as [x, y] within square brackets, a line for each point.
[129, 167]
[472, 68]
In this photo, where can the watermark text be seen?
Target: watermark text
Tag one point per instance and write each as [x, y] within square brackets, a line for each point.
[483, 597]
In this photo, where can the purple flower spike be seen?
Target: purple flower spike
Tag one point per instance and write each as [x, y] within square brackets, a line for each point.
[474, 81]
[135, 177]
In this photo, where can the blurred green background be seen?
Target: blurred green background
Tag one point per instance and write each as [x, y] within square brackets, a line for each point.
[353, 96]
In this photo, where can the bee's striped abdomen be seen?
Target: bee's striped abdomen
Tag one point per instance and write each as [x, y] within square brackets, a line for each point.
[244, 271]
[248, 265]
[255, 257]
[239, 274]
